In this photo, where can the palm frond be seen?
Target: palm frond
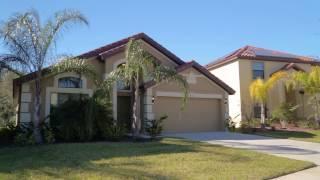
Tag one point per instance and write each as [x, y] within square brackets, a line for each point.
[275, 78]
[166, 74]
[259, 88]
[79, 66]
[62, 21]
[257, 91]
[13, 64]
[310, 82]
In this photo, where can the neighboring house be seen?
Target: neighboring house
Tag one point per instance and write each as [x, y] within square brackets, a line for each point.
[239, 68]
[206, 108]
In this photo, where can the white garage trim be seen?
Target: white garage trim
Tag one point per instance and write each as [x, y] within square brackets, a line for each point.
[191, 95]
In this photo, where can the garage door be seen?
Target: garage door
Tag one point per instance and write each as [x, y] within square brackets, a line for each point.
[200, 114]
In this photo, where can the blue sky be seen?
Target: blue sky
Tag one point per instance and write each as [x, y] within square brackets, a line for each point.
[200, 30]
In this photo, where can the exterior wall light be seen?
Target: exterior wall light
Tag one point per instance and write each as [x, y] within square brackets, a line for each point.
[152, 100]
[225, 100]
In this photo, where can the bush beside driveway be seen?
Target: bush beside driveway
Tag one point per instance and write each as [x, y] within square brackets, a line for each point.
[307, 135]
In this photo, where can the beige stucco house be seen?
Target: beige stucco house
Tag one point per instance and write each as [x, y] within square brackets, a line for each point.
[239, 68]
[206, 108]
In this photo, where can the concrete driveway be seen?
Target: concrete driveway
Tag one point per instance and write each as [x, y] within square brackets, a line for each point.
[280, 147]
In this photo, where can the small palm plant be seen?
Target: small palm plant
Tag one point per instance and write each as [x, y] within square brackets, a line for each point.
[259, 91]
[140, 67]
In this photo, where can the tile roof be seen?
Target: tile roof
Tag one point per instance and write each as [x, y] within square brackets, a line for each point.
[110, 49]
[256, 53]
[117, 46]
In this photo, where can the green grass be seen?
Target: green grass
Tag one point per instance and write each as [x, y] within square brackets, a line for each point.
[309, 136]
[165, 159]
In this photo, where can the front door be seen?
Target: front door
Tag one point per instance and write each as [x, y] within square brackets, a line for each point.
[124, 111]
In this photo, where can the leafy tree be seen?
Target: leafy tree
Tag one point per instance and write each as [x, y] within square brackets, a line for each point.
[140, 67]
[7, 110]
[31, 46]
[310, 82]
[259, 91]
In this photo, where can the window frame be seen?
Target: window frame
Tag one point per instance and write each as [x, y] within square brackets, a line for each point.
[257, 114]
[253, 70]
[69, 78]
[126, 88]
[55, 89]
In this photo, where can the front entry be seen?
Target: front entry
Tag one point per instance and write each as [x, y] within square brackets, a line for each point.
[124, 111]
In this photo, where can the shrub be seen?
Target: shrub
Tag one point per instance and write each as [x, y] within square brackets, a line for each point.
[7, 112]
[284, 114]
[230, 124]
[81, 120]
[154, 127]
[7, 133]
[115, 132]
[6, 136]
[24, 134]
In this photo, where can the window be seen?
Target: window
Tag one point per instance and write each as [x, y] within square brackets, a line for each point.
[257, 111]
[60, 98]
[70, 82]
[121, 85]
[258, 70]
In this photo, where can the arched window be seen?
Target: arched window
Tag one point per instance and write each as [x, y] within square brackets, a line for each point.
[70, 82]
[122, 86]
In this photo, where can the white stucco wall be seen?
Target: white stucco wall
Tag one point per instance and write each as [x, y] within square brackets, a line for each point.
[229, 73]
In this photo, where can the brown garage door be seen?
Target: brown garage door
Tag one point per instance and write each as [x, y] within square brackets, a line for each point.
[200, 114]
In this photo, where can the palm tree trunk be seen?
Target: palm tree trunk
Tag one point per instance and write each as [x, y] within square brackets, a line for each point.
[36, 117]
[136, 121]
[262, 115]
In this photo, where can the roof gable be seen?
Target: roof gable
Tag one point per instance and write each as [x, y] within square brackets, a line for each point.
[111, 49]
[118, 46]
[202, 70]
[288, 67]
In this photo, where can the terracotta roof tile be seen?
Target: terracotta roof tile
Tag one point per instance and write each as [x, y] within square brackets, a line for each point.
[256, 53]
[111, 49]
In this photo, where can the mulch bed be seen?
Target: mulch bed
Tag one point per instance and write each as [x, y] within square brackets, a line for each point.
[277, 127]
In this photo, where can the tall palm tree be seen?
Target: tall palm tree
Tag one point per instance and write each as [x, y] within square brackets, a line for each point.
[31, 46]
[140, 67]
[259, 91]
[310, 83]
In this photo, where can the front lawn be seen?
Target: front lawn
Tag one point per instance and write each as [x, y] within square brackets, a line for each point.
[165, 159]
[307, 135]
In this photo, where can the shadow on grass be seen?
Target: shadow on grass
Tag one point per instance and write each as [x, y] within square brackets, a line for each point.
[54, 160]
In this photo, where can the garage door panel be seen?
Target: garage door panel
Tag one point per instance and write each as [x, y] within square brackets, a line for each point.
[199, 115]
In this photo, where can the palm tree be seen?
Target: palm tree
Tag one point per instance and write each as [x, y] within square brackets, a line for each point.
[140, 67]
[259, 91]
[31, 46]
[310, 83]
